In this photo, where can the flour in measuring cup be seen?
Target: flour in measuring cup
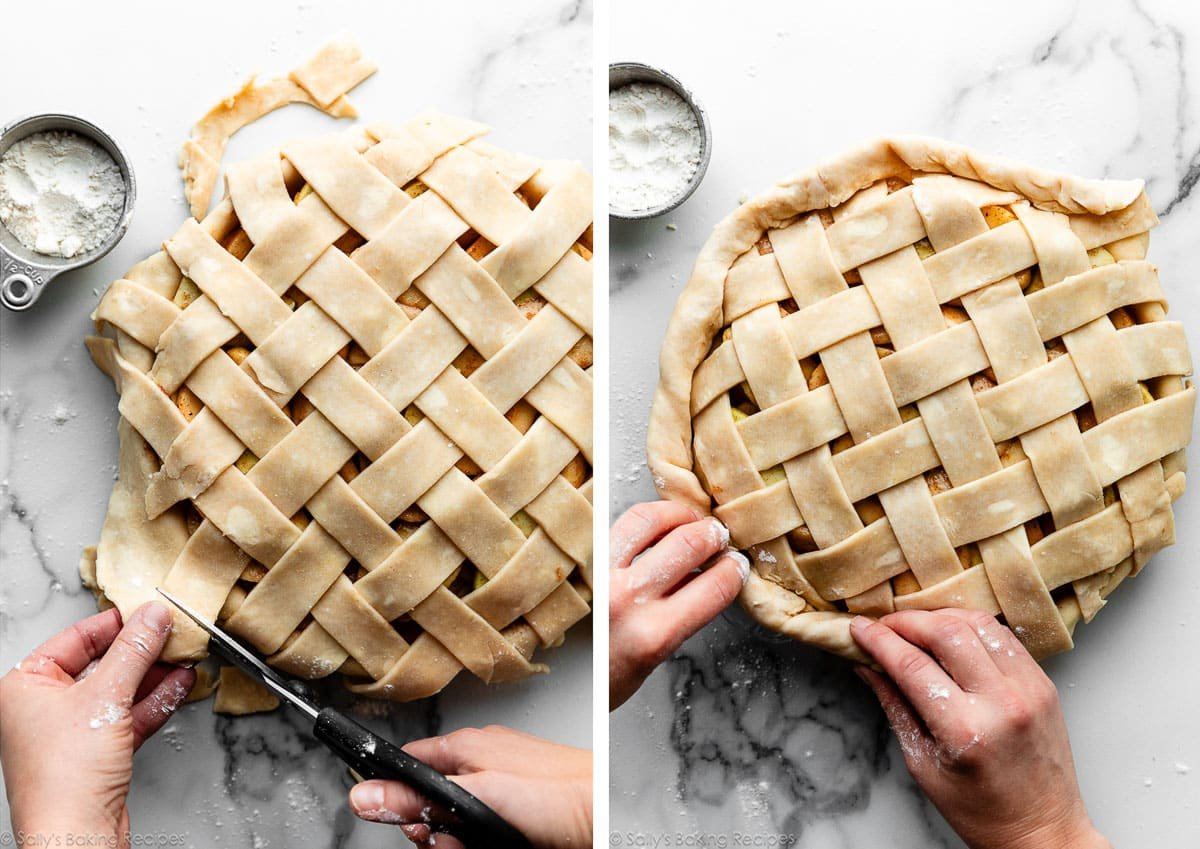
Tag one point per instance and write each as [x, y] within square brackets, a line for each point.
[654, 142]
[61, 194]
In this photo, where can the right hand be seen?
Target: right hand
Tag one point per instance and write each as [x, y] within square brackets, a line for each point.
[543, 789]
[980, 728]
[656, 601]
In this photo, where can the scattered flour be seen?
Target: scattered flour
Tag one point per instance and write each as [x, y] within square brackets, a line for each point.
[109, 714]
[935, 692]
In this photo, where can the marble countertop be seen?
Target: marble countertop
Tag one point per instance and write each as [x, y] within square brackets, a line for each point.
[254, 781]
[742, 733]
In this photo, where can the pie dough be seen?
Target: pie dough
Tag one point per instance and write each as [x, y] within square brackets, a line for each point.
[356, 410]
[922, 377]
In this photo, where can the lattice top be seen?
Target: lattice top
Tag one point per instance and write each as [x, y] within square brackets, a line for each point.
[365, 382]
[920, 378]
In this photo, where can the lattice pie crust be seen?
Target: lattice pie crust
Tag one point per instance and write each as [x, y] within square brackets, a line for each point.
[356, 409]
[920, 377]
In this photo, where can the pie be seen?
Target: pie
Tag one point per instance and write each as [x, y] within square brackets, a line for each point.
[920, 377]
[355, 409]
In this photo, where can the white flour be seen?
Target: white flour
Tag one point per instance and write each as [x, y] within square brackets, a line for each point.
[653, 146]
[60, 194]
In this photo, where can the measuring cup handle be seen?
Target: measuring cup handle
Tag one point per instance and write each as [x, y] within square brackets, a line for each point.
[20, 283]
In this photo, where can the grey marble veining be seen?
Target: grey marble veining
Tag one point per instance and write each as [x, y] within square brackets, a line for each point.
[743, 734]
[256, 781]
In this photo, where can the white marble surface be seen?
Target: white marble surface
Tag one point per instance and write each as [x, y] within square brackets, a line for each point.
[144, 73]
[742, 733]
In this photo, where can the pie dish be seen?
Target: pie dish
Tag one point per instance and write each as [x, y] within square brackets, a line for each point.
[355, 411]
[923, 377]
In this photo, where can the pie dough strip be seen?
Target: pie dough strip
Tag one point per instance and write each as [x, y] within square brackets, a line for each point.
[476, 193]
[1111, 385]
[337, 507]
[472, 301]
[334, 70]
[565, 287]
[321, 82]
[357, 192]
[754, 281]
[358, 628]
[410, 573]
[564, 396]
[407, 470]
[427, 667]
[465, 415]
[1008, 333]
[721, 456]
[138, 310]
[526, 360]
[557, 510]
[546, 236]
[807, 265]
[311, 654]
[128, 534]
[350, 297]
[473, 640]
[949, 424]
[288, 592]
[397, 374]
[792, 428]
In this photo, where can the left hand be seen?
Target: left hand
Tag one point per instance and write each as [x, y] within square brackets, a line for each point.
[75, 711]
[544, 789]
[658, 595]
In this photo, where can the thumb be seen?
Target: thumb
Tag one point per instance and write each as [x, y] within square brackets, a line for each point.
[133, 652]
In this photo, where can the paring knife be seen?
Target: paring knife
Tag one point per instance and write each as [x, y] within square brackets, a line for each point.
[368, 754]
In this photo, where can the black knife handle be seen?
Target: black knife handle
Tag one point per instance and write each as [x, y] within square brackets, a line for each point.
[373, 757]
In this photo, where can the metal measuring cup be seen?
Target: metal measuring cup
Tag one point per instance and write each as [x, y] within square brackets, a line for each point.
[622, 74]
[25, 273]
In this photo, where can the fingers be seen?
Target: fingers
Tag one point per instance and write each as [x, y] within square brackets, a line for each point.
[398, 804]
[133, 652]
[642, 525]
[68, 652]
[953, 641]
[697, 603]
[680, 552]
[1006, 651]
[915, 742]
[470, 750]
[153, 677]
[926, 685]
[152, 712]
[393, 803]
[426, 838]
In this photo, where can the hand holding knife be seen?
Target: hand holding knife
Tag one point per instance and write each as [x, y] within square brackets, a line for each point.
[367, 754]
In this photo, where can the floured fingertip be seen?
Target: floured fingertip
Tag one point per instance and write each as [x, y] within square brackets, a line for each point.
[742, 562]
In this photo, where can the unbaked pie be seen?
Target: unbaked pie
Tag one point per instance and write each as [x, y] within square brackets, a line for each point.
[356, 410]
[921, 377]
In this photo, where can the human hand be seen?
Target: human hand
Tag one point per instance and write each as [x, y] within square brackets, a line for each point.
[655, 600]
[980, 728]
[543, 789]
[75, 711]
